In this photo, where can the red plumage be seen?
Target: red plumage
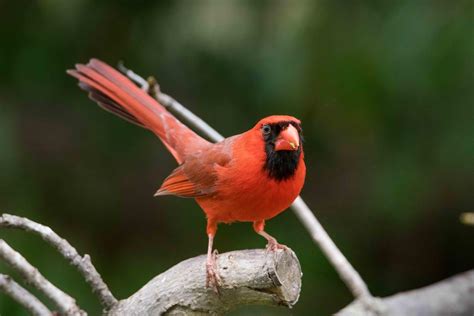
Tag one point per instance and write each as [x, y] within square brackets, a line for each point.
[250, 177]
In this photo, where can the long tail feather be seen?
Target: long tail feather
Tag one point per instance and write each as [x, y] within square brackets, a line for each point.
[110, 105]
[117, 94]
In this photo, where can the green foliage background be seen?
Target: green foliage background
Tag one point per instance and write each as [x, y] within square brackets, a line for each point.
[384, 90]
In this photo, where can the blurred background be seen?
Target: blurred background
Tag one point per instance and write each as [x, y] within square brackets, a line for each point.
[384, 90]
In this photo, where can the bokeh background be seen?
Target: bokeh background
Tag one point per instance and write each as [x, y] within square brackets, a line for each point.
[384, 90]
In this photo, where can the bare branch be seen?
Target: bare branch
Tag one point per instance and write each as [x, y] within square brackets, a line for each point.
[172, 105]
[248, 277]
[65, 303]
[137, 79]
[453, 296]
[83, 264]
[346, 271]
[190, 118]
[22, 296]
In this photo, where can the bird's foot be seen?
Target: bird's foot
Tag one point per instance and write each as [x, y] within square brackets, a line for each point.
[273, 245]
[213, 280]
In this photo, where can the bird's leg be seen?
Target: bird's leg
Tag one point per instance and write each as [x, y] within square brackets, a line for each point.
[212, 277]
[272, 244]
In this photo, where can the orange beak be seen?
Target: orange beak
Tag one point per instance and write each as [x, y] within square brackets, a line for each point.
[288, 139]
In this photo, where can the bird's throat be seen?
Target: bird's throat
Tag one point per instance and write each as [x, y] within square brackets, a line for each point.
[281, 165]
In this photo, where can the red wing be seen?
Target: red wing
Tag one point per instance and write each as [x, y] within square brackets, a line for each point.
[197, 176]
[177, 183]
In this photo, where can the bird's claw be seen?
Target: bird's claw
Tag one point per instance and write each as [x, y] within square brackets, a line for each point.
[213, 280]
[273, 245]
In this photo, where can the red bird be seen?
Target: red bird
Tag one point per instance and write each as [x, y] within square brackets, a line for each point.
[250, 177]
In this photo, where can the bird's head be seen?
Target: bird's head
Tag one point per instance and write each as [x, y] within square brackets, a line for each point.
[282, 139]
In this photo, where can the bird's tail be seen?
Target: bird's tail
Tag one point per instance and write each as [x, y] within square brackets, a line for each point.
[117, 94]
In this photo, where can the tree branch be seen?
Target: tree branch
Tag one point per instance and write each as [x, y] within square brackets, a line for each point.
[319, 235]
[248, 277]
[346, 271]
[65, 303]
[83, 264]
[172, 105]
[22, 296]
[453, 296]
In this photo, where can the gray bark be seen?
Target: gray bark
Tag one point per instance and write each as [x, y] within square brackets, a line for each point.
[65, 303]
[22, 296]
[82, 263]
[248, 277]
[453, 297]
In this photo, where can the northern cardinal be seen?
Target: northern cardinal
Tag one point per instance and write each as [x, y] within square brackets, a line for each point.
[250, 177]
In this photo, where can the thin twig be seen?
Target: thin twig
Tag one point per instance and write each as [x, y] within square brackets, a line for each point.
[346, 271]
[142, 83]
[65, 303]
[22, 296]
[172, 105]
[83, 264]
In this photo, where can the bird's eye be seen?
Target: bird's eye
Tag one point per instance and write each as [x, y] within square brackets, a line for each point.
[266, 129]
